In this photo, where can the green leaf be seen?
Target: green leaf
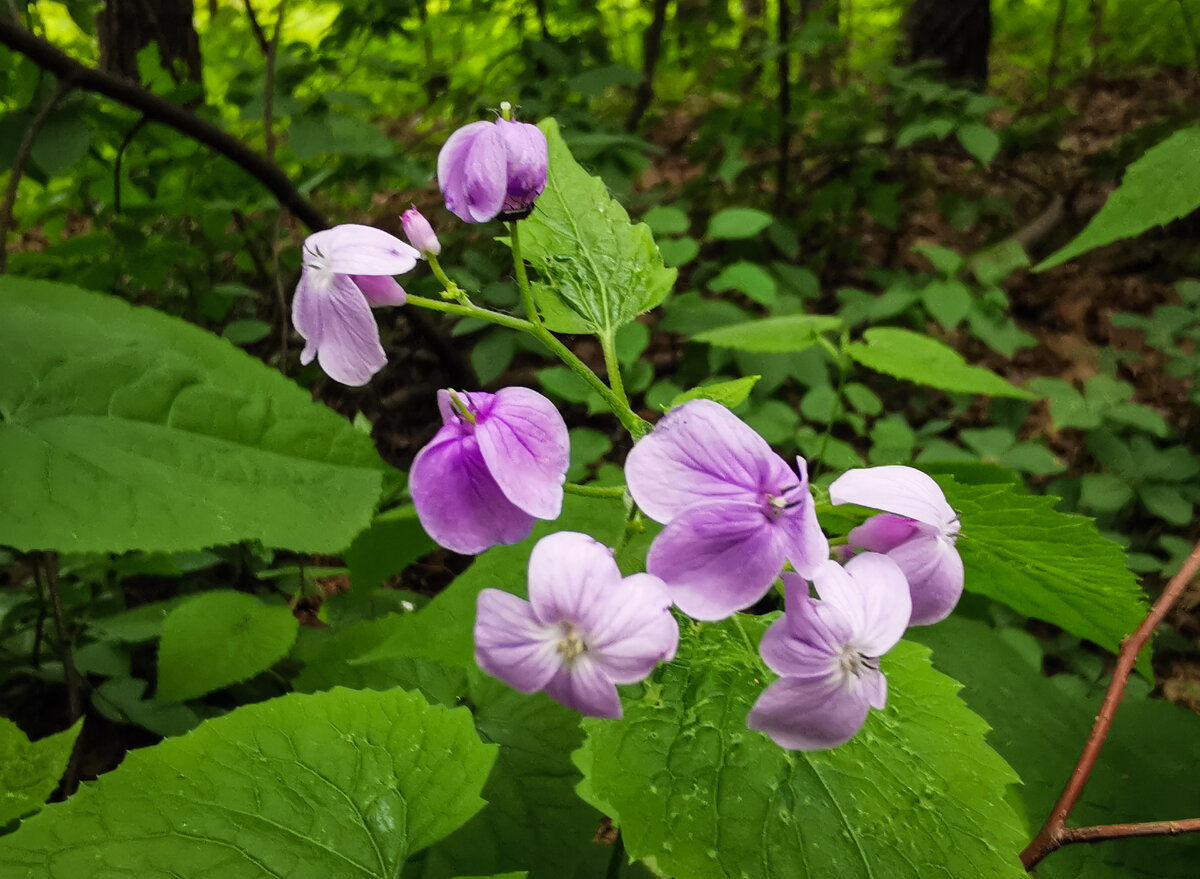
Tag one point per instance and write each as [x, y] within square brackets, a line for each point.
[947, 302]
[344, 783]
[946, 262]
[679, 251]
[393, 542]
[220, 638]
[729, 394]
[1162, 185]
[29, 771]
[246, 332]
[748, 278]
[737, 223]
[1103, 492]
[585, 249]
[917, 358]
[587, 447]
[1039, 725]
[1016, 548]
[122, 428]
[1167, 503]
[666, 220]
[123, 700]
[771, 335]
[62, 142]
[916, 793]
[979, 140]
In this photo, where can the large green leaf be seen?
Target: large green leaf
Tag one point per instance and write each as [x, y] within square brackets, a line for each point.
[587, 252]
[1018, 549]
[1159, 187]
[219, 638]
[345, 783]
[122, 428]
[917, 793]
[772, 335]
[29, 771]
[917, 358]
[1039, 725]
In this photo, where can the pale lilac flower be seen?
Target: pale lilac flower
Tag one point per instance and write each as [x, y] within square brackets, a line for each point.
[918, 531]
[584, 630]
[419, 233]
[347, 269]
[827, 652]
[493, 169]
[496, 466]
[733, 508]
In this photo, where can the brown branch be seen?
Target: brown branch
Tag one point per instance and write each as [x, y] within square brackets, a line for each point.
[24, 151]
[1054, 833]
[156, 109]
[1102, 832]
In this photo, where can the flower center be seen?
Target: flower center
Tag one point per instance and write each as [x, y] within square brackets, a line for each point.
[571, 645]
[462, 408]
[852, 663]
[776, 502]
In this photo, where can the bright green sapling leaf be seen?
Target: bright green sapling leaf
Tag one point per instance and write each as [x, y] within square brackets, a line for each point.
[771, 335]
[917, 358]
[916, 793]
[1018, 549]
[979, 140]
[737, 223]
[122, 428]
[586, 251]
[220, 638]
[29, 771]
[748, 278]
[729, 393]
[1162, 185]
[343, 783]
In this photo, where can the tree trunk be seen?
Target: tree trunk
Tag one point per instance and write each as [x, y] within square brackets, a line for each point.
[819, 67]
[651, 46]
[125, 27]
[957, 33]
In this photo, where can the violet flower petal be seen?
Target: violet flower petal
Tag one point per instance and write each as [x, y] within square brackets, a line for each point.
[528, 162]
[717, 558]
[473, 172]
[805, 544]
[458, 502]
[511, 644]
[380, 289]
[697, 452]
[812, 712]
[586, 688]
[883, 533]
[871, 593]
[352, 249]
[792, 646]
[525, 443]
[336, 322]
[569, 578]
[637, 632]
[935, 577]
[894, 488]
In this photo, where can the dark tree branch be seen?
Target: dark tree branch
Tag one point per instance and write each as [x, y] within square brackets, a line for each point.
[783, 64]
[156, 109]
[1054, 833]
[651, 46]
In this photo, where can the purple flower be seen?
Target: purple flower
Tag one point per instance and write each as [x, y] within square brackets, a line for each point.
[495, 467]
[419, 233]
[493, 169]
[584, 630]
[828, 652]
[347, 269]
[733, 508]
[917, 531]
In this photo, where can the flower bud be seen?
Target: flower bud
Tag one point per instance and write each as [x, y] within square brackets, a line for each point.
[419, 233]
[493, 169]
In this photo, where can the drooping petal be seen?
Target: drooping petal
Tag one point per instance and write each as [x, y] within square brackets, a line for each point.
[805, 544]
[570, 576]
[717, 558]
[473, 172]
[380, 289]
[528, 162]
[635, 632]
[584, 687]
[935, 576]
[894, 488]
[883, 532]
[351, 249]
[525, 443]
[812, 712]
[511, 644]
[701, 451]
[337, 325]
[871, 592]
[458, 502]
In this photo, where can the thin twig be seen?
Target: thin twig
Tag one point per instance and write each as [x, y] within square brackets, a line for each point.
[1054, 833]
[120, 158]
[1102, 832]
[47, 568]
[272, 51]
[18, 169]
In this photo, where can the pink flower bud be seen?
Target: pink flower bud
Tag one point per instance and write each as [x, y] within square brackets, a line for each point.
[419, 233]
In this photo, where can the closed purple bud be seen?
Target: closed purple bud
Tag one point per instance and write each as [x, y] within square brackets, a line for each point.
[493, 169]
[419, 233]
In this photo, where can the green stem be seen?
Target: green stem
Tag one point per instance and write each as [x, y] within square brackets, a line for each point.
[839, 358]
[613, 491]
[468, 310]
[531, 311]
[453, 291]
[608, 344]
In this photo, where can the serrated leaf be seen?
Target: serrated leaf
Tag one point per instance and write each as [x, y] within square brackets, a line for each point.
[1016, 548]
[729, 394]
[771, 335]
[917, 358]
[29, 771]
[1162, 185]
[916, 793]
[585, 249]
[748, 278]
[344, 783]
[1039, 725]
[123, 428]
[737, 223]
[220, 638]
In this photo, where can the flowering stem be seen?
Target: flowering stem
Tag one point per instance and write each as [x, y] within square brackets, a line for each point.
[613, 491]
[453, 291]
[531, 311]
[608, 344]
